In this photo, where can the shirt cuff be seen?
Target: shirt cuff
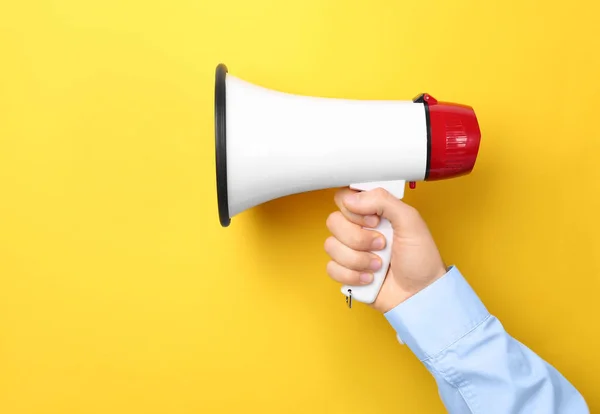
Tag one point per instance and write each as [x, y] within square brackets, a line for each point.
[437, 316]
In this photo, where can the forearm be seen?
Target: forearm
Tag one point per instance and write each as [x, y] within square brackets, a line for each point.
[478, 366]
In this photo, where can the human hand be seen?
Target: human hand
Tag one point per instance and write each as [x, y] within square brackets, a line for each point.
[415, 262]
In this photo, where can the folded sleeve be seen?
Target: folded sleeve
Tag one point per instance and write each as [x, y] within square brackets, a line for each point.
[478, 367]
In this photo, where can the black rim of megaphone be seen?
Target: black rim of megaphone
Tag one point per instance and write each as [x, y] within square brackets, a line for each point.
[221, 144]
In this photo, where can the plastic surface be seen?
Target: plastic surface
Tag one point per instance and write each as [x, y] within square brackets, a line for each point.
[368, 293]
[455, 139]
[280, 144]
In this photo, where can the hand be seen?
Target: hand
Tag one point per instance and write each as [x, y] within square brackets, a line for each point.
[416, 261]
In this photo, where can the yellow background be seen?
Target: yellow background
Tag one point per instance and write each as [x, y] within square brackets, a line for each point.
[121, 293]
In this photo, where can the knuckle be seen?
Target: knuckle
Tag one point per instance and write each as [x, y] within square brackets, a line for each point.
[362, 240]
[330, 269]
[360, 260]
[348, 275]
[355, 240]
[380, 193]
[332, 219]
[328, 245]
[339, 273]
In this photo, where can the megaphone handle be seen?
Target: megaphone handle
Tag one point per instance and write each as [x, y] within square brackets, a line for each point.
[368, 293]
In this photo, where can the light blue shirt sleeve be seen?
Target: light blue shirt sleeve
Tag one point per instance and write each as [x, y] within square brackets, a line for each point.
[478, 367]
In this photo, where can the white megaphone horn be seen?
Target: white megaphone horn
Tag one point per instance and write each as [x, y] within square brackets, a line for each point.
[271, 144]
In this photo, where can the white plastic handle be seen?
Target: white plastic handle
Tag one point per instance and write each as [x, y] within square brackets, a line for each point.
[368, 293]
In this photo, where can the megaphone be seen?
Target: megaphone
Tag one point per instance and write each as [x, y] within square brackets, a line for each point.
[270, 144]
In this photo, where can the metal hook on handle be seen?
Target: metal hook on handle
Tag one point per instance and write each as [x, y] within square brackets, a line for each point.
[349, 298]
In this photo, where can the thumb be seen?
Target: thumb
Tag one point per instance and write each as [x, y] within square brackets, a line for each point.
[380, 202]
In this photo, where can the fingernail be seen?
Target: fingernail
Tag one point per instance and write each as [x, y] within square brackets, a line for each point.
[351, 199]
[365, 278]
[371, 221]
[378, 243]
[375, 264]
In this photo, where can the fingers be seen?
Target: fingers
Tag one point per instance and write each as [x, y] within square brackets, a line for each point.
[351, 259]
[351, 246]
[347, 276]
[379, 202]
[370, 221]
[353, 235]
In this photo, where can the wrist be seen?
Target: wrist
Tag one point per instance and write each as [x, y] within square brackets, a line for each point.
[398, 292]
